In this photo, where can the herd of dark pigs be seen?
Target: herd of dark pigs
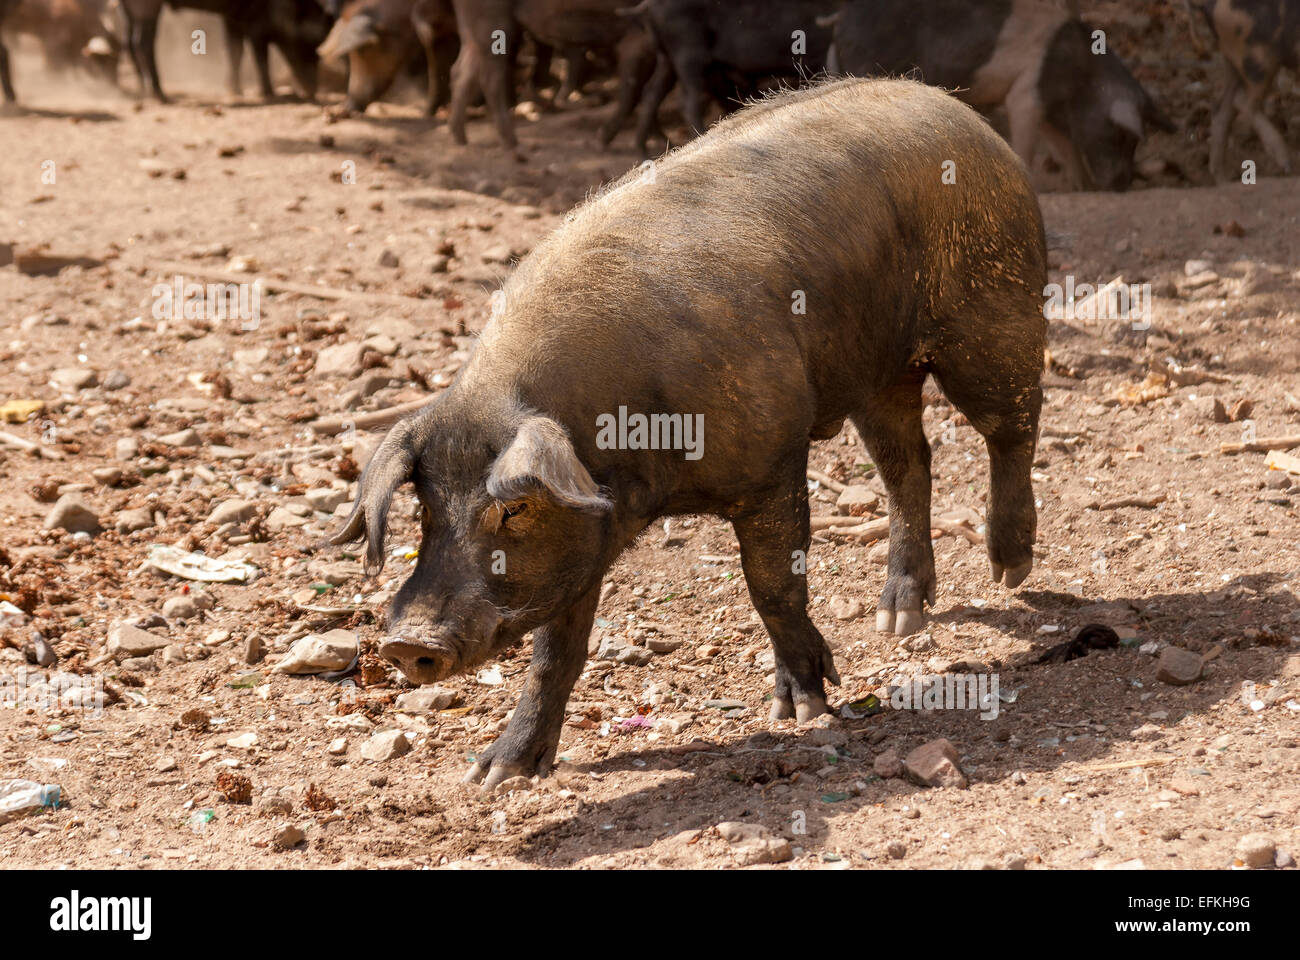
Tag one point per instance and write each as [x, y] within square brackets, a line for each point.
[1062, 86]
[904, 228]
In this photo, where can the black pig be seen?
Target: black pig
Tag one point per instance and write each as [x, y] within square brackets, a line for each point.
[672, 294]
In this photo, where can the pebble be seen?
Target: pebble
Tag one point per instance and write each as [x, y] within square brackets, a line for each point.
[74, 378]
[753, 843]
[511, 784]
[180, 608]
[127, 448]
[188, 437]
[658, 644]
[847, 608]
[117, 380]
[896, 849]
[857, 501]
[320, 652]
[132, 521]
[245, 741]
[1256, 850]
[325, 499]
[288, 836]
[337, 747]
[126, 641]
[887, 765]
[233, 511]
[935, 764]
[426, 700]
[385, 745]
[165, 765]
[1178, 666]
[71, 513]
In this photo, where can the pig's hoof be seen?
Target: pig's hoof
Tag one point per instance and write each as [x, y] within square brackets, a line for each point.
[903, 623]
[810, 709]
[1012, 576]
[489, 774]
[782, 708]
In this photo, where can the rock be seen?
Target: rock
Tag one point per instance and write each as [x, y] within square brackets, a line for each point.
[752, 843]
[1211, 408]
[181, 438]
[1178, 666]
[320, 653]
[511, 784]
[390, 260]
[1148, 731]
[108, 476]
[896, 849]
[325, 499]
[117, 380]
[253, 652]
[847, 608]
[1256, 850]
[887, 765]
[180, 608]
[288, 836]
[935, 764]
[1282, 859]
[165, 765]
[127, 448]
[281, 518]
[337, 747]
[343, 359]
[382, 344]
[857, 501]
[131, 521]
[439, 263]
[74, 378]
[659, 644]
[125, 641]
[233, 511]
[426, 700]
[385, 745]
[70, 513]
[1192, 267]
[636, 656]
[245, 741]
[498, 254]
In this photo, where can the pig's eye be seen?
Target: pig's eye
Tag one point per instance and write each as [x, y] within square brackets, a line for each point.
[511, 510]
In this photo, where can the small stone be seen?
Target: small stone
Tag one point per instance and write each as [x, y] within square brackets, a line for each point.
[126, 641]
[343, 359]
[896, 849]
[74, 378]
[71, 513]
[439, 263]
[181, 438]
[245, 741]
[320, 653]
[282, 518]
[499, 254]
[1256, 850]
[337, 747]
[131, 521]
[108, 476]
[1148, 731]
[857, 501]
[385, 745]
[127, 448]
[1282, 859]
[1192, 267]
[752, 843]
[935, 764]
[390, 260]
[288, 837]
[426, 700]
[660, 644]
[165, 765]
[1178, 666]
[117, 380]
[233, 511]
[847, 608]
[253, 652]
[180, 608]
[887, 765]
[325, 499]
[510, 784]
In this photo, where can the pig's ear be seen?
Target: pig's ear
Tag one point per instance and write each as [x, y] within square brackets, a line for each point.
[390, 467]
[346, 36]
[541, 459]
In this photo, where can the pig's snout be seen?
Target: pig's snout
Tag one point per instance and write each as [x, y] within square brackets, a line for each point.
[423, 661]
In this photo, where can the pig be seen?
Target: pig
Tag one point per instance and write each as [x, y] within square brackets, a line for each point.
[72, 33]
[490, 32]
[751, 38]
[1034, 56]
[1257, 38]
[297, 27]
[379, 37]
[6, 80]
[727, 286]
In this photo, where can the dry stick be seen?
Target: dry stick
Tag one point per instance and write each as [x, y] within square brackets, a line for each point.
[367, 421]
[828, 482]
[1146, 503]
[28, 446]
[958, 528]
[285, 286]
[1130, 764]
[1260, 446]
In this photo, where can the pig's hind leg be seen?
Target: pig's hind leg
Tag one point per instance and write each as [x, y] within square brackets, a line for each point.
[891, 429]
[774, 538]
[991, 373]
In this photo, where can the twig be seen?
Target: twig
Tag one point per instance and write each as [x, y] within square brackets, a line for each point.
[1146, 503]
[367, 421]
[1260, 446]
[828, 482]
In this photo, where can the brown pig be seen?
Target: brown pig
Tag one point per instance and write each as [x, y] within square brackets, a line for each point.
[675, 347]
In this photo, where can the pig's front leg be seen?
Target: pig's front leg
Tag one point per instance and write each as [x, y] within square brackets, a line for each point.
[891, 429]
[528, 746]
[773, 539]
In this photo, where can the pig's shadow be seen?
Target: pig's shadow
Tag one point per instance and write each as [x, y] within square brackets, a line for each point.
[746, 777]
[90, 116]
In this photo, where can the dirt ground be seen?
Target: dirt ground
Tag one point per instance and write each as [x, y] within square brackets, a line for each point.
[1143, 524]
